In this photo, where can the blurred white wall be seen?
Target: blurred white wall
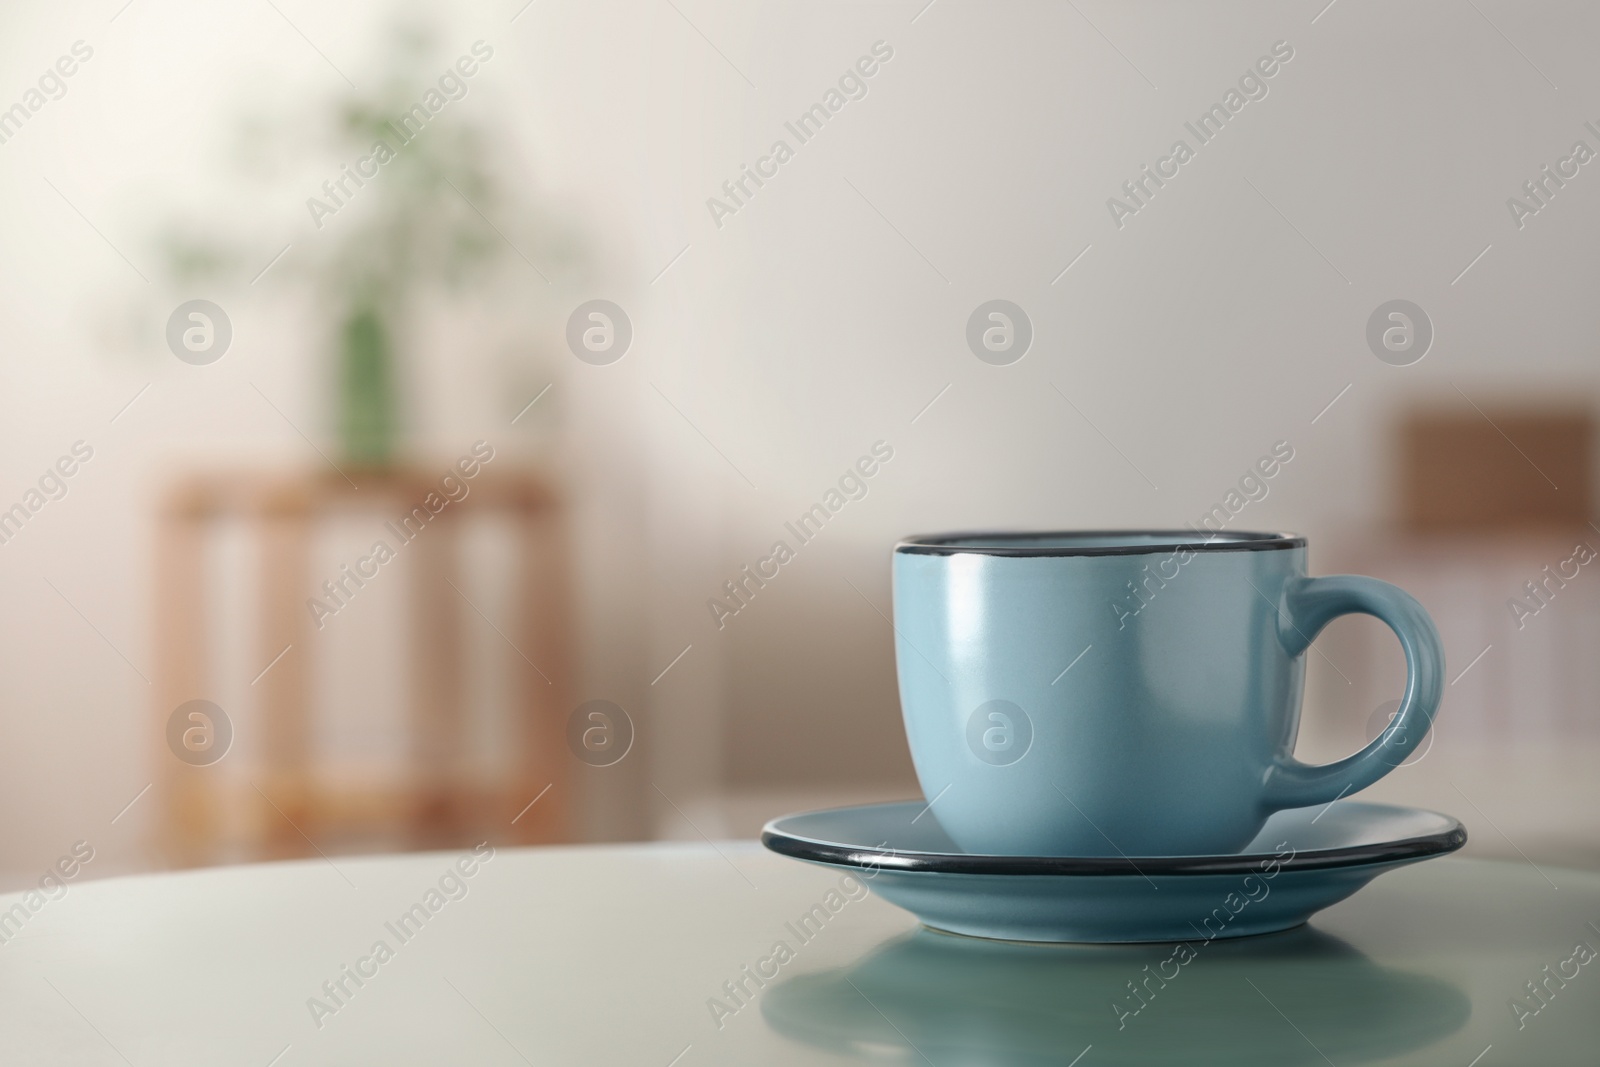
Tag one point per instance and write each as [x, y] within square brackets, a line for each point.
[773, 350]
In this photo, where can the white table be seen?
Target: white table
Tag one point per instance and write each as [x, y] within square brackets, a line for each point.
[609, 955]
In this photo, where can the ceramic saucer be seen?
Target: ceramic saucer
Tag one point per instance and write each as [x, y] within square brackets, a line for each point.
[1304, 860]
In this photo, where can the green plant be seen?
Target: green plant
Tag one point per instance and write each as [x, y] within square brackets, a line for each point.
[417, 224]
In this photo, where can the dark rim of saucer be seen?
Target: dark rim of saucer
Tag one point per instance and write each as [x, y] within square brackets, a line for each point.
[1083, 542]
[1448, 839]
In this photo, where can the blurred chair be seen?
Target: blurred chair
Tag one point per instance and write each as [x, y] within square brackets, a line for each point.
[1491, 506]
[290, 805]
[1471, 472]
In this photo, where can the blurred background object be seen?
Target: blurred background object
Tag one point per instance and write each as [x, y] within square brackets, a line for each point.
[768, 339]
[1494, 524]
[1465, 472]
[482, 737]
[407, 220]
[402, 225]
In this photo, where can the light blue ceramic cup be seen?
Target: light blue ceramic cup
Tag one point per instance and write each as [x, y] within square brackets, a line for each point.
[1129, 693]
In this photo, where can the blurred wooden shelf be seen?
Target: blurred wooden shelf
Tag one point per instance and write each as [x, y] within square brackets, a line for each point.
[439, 796]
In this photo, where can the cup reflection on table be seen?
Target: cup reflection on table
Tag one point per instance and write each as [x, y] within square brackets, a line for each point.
[960, 1000]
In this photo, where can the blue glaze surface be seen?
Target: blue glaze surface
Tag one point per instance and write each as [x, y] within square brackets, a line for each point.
[1131, 693]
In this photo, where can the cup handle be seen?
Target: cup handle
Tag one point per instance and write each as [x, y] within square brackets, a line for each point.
[1308, 605]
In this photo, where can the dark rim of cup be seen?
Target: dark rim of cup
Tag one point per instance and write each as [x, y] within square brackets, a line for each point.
[1093, 542]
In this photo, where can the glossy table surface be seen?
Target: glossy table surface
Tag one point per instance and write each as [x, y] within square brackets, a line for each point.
[637, 955]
